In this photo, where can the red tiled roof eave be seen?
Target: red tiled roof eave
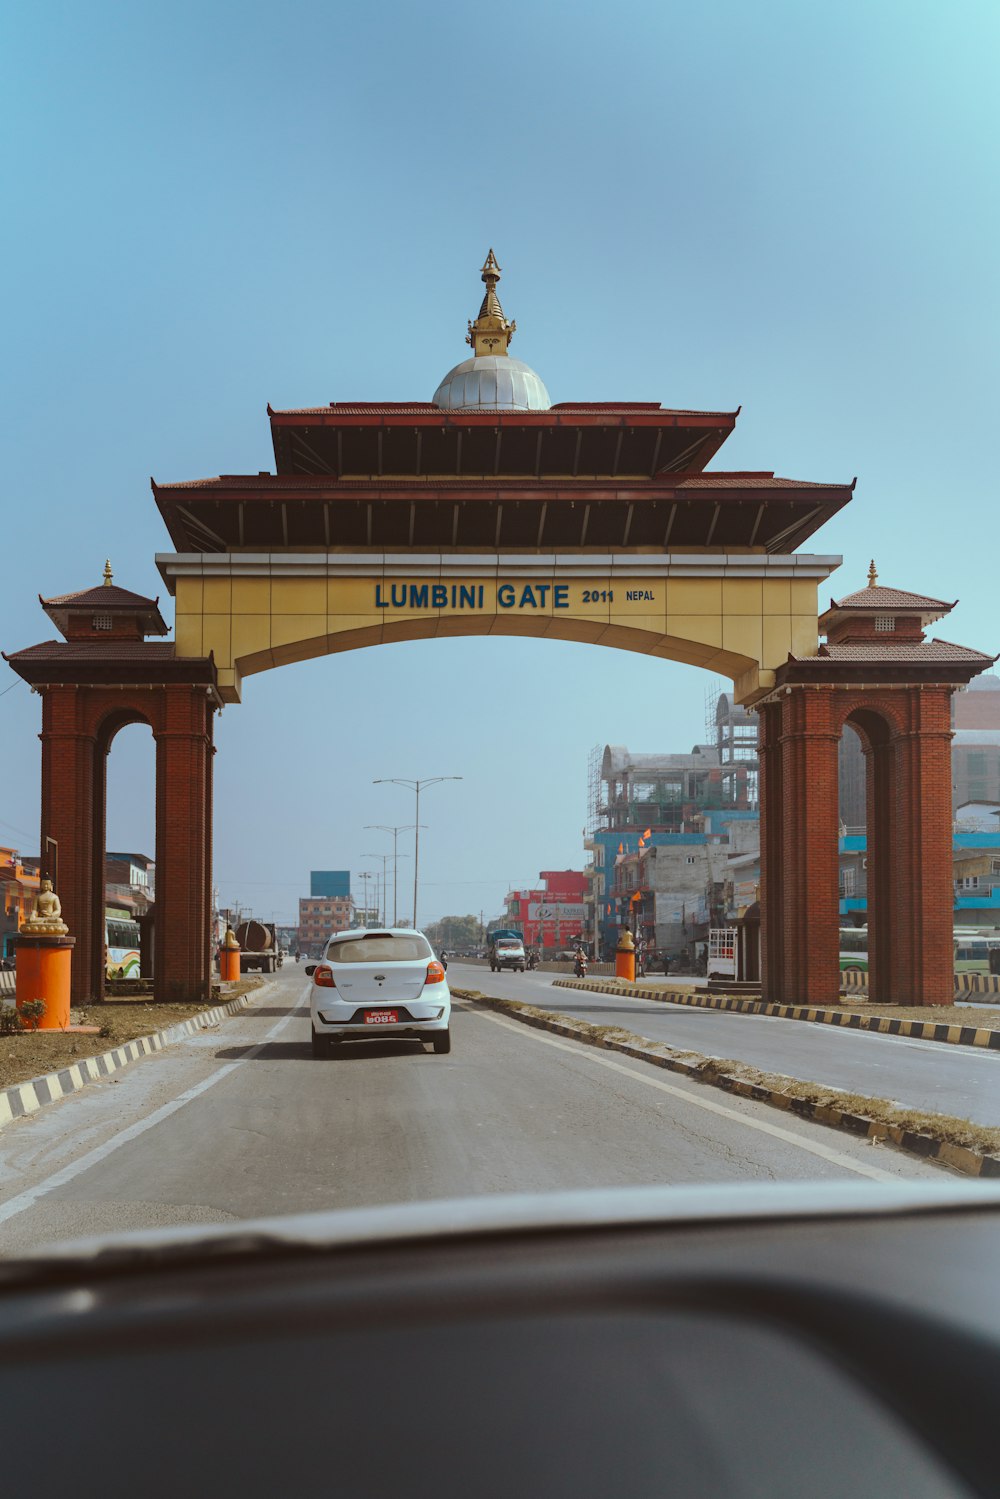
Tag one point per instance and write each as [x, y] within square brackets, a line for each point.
[94, 650]
[84, 661]
[664, 482]
[403, 413]
[107, 597]
[919, 651]
[875, 663]
[878, 599]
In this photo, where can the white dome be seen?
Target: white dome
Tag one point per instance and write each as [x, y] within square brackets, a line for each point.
[492, 382]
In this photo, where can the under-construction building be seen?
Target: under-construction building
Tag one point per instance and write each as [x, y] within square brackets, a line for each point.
[637, 801]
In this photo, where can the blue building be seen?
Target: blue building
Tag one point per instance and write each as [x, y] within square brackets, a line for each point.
[975, 870]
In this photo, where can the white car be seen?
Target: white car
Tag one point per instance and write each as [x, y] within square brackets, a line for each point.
[380, 982]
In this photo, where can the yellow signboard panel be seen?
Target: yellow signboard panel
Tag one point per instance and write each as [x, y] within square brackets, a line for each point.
[738, 616]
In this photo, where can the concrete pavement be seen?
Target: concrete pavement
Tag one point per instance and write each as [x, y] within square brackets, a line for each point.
[959, 1080]
[243, 1121]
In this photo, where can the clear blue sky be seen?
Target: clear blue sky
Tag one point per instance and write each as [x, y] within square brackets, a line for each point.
[213, 205]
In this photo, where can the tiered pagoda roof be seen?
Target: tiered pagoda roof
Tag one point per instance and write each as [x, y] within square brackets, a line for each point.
[490, 464]
[879, 631]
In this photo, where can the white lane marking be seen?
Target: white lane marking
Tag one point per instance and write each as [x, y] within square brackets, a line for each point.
[823, 1032]
[27, 1199]
[581, 1050]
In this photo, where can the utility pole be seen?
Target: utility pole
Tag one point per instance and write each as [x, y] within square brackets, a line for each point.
[383, 916]
[364, 875]
[383, 827]
[416, 787]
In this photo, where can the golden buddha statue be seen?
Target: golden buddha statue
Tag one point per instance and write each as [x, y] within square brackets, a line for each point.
[46, 918]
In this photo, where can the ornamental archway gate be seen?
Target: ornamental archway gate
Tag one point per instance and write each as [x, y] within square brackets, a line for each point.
[590, 523]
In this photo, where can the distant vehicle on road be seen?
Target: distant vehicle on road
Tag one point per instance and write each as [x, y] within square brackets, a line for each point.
[121, 945]
[259, 951]
[973, 948]
[378, 983]
[505, 949]
[853, 949]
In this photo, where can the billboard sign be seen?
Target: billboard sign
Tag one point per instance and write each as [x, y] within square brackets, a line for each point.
[555, 911]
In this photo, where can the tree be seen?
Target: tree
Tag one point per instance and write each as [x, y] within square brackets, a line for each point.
[454, 932]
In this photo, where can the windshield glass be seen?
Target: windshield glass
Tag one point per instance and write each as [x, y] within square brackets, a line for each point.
[527, 781]
[379, 949]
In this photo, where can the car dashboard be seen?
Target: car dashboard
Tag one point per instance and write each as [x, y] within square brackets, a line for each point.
[689, 1342]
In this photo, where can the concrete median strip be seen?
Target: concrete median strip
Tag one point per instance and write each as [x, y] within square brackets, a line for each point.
[27, 1098]
[969, 1148]
[886, 1025]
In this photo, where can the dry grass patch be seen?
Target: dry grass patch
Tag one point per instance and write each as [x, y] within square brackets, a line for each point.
[978, 1137]
[985, 1017]
[33, 1053]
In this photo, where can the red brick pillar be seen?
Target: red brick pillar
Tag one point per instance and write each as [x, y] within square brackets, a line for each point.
[771, 882]
[923, 904]
[207, 902]
[183, 876]
[809, 863]
[69, 777]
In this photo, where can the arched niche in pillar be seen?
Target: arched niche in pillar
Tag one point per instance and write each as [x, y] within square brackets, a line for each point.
[877, 730]
[108, 747]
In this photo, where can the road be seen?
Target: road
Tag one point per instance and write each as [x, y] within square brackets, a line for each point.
[959, 1080]
[242, 1121]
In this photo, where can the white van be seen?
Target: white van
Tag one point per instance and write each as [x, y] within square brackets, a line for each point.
[508, 952]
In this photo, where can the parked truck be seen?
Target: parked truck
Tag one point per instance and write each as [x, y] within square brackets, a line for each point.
[259, 951]
[505, 949]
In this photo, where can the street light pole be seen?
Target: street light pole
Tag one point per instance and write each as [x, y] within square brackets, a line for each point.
[385, 886]
[364, 876]
[383, 827]
[416, 787]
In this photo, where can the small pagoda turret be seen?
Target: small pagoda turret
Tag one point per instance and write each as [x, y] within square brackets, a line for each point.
[106, 612]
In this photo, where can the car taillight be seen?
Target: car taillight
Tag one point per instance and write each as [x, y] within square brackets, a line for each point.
[323, 978]
[435, 973]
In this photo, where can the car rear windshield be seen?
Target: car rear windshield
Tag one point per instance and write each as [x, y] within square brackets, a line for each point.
[380, 948]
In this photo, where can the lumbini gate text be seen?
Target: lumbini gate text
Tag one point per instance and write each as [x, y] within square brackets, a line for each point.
[509, 595]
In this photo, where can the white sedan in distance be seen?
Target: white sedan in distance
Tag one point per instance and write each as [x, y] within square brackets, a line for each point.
[379, 982]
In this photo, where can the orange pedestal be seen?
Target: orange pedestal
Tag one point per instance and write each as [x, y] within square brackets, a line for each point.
[229, 964]
[625, 958]
[43, 972]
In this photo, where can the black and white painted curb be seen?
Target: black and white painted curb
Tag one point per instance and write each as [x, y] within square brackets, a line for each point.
[27, 1098]
[928, 1146]
[924, 1030]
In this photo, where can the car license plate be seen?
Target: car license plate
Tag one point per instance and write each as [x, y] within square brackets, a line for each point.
[381, 1017]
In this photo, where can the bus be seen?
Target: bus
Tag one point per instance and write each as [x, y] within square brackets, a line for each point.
[121, 945]
[854, 949]
[972, 949]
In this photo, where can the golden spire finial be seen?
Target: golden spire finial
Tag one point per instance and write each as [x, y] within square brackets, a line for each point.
[872, 574]
[108, 575]
[490, 333]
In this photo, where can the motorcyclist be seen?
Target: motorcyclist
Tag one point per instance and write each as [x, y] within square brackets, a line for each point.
[580, 963]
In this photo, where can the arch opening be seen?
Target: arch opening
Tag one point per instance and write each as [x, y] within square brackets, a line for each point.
[124, 845]
[869, 872]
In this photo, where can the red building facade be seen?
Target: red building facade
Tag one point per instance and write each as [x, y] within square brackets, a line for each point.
[552, 916]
